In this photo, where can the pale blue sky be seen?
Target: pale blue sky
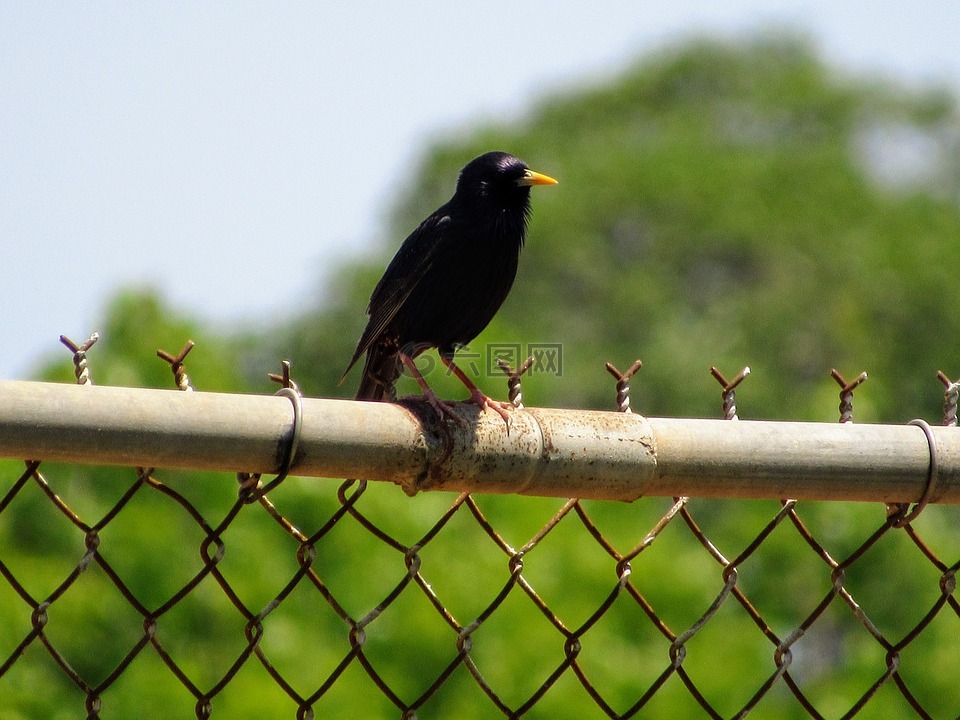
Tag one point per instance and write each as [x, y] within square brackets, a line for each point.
[230, 153]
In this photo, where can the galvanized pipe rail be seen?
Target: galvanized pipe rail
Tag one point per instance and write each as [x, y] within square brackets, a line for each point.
[548, 452]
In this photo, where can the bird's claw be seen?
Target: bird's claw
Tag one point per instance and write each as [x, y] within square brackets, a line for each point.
[443, 408]
[498, 406]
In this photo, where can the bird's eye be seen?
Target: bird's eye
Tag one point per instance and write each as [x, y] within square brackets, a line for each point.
[531, 177]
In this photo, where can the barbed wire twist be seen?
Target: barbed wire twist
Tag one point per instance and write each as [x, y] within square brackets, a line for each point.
[180, 377]
[846, 393]
[81, 369]
[513, 380]
[728, 393]
[623, 384]
[950, 395]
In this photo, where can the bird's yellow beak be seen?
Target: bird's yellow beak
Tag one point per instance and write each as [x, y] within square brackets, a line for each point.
[534, 178]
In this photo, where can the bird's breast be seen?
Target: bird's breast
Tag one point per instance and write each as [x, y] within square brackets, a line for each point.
[464, 288]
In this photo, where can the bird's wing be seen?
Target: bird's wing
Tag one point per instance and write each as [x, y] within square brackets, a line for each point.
[408, 267]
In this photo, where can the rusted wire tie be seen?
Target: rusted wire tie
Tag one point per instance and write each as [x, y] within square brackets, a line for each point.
[252, 484]
[292, 446]
[933, 475]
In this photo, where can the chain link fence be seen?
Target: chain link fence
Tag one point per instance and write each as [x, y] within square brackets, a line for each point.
[138, 592]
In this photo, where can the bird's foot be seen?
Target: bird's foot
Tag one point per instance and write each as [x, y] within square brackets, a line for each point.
[443, 408]
[498, 406]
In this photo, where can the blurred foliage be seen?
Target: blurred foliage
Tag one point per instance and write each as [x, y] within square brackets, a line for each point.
[138, 323]
[720, 204]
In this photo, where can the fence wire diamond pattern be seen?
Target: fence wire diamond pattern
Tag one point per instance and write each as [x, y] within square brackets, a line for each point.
[663, 640]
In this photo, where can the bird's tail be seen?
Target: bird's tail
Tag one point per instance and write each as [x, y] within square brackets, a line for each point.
[381, 368]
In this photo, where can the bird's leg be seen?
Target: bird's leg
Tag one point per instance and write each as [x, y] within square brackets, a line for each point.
[476, 396]
[442, 408]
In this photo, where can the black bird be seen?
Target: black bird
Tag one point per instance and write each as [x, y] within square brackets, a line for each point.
[448, 279]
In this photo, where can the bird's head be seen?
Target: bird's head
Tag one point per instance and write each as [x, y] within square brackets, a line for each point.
[500, 177]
